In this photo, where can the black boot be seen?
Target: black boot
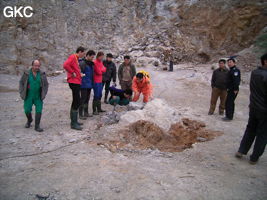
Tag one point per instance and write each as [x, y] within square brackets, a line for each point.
[29, 117]
[106, 97]
[86, 111]
[74, 120]
[95, 107]
[99, 109]
[77, 120]
[37, 122]
[81, 113]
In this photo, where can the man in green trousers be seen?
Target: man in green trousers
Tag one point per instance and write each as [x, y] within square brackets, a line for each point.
[33, 87]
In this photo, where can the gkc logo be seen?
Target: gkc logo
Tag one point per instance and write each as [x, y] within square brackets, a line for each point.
[15, 11]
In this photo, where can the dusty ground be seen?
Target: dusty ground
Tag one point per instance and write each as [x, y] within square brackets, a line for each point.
[145, 134]
[69, 164]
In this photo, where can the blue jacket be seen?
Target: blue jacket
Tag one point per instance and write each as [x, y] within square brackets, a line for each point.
[87, 68]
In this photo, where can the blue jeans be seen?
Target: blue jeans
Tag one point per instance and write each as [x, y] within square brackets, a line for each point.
[98, 91]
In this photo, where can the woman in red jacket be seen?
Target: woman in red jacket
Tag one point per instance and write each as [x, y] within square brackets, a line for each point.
[74, 79]
[99, 69]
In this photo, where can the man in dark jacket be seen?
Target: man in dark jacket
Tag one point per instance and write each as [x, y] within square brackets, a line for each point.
[126, 73]
[219, 85]
[87, 69]
[33, 87]
[257, 122]
[234, 77]
[111, 73]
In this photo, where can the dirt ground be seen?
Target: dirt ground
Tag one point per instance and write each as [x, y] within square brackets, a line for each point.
[70, 165]
[144, 134]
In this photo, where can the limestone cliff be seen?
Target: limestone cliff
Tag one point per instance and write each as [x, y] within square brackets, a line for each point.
[155, 30]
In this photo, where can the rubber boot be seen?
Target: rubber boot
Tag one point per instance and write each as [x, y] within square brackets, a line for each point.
[95, 107]
[81, 113]
[80, 123]
[77, 121]
[99, 109]
[74, 120]
[37, 122]
[106, 97]
[86, 111]
[29, 117]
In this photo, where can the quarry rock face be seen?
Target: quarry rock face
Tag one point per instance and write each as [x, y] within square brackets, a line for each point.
[152, 31]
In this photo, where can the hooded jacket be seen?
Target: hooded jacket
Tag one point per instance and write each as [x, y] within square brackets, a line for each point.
[23, 85]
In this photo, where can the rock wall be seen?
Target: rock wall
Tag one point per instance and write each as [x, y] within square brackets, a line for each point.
[151, 30]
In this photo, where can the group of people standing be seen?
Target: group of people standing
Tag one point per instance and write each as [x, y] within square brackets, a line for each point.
[85, 73]
[225, 84]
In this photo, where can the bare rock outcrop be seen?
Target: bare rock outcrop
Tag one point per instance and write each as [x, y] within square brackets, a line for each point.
[152, 31]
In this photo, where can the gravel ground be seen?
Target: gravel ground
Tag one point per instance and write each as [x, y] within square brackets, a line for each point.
[69, 164]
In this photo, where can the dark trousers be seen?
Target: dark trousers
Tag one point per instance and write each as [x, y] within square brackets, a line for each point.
[85, 95]
[106, 85]
[76, 97]
[230, 104]
[256, 130]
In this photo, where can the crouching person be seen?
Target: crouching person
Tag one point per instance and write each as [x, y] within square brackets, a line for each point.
[120, 97]
[142, 85]
[33, 87]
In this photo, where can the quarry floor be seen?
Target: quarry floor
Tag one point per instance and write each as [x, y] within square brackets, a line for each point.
[70, 165]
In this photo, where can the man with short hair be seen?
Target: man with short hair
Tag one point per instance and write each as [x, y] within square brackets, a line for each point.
[232, 89]
[219, 85]
[87, 68]
[142, 85]
[111, 73]
[74, 78]
[126, 73]
[33, 87]
[257, 122]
